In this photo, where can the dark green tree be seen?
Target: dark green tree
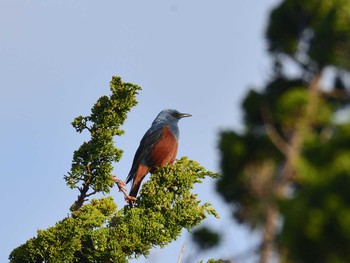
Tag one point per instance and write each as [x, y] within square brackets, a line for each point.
[288, 173]
[205, 238]
[97, 231]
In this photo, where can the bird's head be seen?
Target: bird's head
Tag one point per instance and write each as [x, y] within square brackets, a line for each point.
[170, 115]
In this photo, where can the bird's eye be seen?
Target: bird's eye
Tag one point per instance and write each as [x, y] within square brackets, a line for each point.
[175, 114]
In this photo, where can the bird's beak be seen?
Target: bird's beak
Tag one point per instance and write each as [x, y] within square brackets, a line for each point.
[183, 115]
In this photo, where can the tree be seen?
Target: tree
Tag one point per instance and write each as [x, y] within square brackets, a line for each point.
[97, 231]
[288, 173]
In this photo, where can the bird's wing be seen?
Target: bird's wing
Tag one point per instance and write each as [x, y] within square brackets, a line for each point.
[147, 142]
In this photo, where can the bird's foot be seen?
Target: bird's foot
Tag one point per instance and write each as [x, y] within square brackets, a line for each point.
[130, 199]
[121, 186]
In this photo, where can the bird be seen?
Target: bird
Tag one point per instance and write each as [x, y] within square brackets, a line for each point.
[157, 148]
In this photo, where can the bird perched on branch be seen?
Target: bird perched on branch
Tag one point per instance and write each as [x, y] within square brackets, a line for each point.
[158, 147]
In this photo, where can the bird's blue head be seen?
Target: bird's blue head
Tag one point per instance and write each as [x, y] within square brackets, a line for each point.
[170, 116]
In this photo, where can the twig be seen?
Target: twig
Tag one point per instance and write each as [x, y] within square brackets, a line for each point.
[182, 252]
[90, 194]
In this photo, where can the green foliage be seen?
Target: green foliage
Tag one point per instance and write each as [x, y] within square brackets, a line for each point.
[97, 231]
[313, 32]
[216, 261]
[205, 238]
[255, 102]
[293, 156]
[92, 162]
[322, 203]
[100, 233]
[242, 158]
[65, 241]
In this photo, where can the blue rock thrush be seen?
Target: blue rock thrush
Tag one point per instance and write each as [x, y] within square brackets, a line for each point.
[158, 147]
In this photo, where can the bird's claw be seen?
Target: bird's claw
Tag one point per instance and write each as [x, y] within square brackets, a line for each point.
[121, 186]
[130, 199]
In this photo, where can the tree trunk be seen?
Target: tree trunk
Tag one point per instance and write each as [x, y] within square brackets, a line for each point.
[268, 234]
[292, 150]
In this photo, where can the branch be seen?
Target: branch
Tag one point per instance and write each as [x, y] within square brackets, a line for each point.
[90, 194]
[271, 131]
[84, 122]
[181, 253]
[81, 198]
[336, 94]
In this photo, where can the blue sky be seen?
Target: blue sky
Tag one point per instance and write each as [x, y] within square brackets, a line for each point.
[56, 60]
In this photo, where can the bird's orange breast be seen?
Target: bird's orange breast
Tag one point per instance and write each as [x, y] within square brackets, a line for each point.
[165, 150]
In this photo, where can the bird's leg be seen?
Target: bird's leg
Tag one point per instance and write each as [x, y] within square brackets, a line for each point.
[121, 186]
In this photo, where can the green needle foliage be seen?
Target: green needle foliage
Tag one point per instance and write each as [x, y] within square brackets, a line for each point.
[93, 162]
[98, 231]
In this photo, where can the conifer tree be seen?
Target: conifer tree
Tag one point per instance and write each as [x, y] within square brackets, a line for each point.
[96, 230]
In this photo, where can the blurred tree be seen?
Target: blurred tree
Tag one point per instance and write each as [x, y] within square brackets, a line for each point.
[288, 172]
[97, 231]
[205, 238]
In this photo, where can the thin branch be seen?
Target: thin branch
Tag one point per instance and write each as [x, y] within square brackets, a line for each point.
[336, 94]
[85, 125]
[272, 132]
[182, 252]
[90, 194]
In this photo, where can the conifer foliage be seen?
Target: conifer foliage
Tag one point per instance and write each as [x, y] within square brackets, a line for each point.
[97, 231]
[288, 173]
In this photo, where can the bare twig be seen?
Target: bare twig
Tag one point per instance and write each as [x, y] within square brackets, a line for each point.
[90, 194]
[181, 253]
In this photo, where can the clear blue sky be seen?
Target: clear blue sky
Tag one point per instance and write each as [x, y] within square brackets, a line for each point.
[56, 60]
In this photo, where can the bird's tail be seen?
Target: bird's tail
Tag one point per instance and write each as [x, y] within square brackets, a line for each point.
[141, 172]
[134, 190]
